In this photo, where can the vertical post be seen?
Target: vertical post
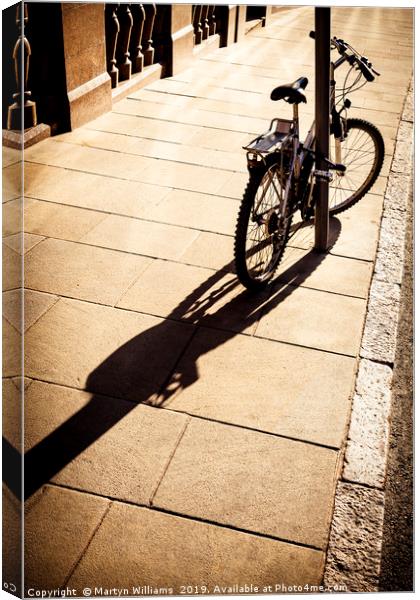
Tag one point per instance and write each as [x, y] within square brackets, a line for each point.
[137, 58]
[322, 121]
[212, 19]
[112, 29]
[196, 22]
[23, 106]
[205, 21]
[123, 41]
[147, 41]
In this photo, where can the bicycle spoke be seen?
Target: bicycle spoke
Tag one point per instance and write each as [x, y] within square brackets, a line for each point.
[261, 251]
[359, 155]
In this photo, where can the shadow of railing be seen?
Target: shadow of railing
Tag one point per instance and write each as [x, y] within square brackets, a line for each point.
[127, 374]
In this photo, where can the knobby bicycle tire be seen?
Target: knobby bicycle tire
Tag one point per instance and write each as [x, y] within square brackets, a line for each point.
[363, 153]
[246, 276]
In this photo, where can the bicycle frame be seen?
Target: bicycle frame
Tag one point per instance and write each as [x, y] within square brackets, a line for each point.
[300, 151]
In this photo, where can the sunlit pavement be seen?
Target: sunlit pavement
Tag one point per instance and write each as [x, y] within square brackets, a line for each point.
[180, 431]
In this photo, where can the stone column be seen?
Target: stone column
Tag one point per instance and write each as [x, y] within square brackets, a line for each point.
[240, 22]
[181, 39]
[87, 81]
[231, 23]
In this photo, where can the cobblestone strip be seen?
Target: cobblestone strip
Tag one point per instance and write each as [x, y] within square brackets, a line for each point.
[354, 552]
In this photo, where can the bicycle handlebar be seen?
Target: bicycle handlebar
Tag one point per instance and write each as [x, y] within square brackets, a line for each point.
[352, 57]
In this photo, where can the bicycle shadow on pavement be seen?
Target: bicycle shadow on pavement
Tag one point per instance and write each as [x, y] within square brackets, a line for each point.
[133, 373]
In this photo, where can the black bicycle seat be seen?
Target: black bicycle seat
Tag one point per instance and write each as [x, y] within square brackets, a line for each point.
[291, 92]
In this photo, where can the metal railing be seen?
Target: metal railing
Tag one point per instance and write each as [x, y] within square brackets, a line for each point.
[203, 20]
[128, 39]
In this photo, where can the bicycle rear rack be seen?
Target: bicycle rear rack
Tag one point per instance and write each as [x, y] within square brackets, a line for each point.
[273, 140]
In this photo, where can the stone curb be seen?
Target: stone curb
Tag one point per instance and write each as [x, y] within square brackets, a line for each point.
[354, 552]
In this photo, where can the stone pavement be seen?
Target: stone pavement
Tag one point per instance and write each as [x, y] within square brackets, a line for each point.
[180, 431]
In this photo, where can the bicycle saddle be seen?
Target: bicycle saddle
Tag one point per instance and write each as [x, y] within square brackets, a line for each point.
[291, 92]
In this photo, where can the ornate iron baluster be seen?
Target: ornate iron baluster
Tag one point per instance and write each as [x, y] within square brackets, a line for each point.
[137, 57]
[21, 98]
[196, 18]
[123, 42]
[149, 53]
[205, 21]
[212, 19]
[112, 29]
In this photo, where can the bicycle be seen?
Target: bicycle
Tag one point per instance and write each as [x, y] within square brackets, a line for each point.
[282, 174]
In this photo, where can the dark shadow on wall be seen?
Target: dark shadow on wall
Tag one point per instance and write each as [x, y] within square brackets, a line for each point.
[128, 373]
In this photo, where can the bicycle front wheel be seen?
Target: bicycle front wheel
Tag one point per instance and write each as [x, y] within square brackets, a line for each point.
[262, 228]
[362, 153]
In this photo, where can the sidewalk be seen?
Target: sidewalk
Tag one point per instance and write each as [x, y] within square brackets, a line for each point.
[180, 431]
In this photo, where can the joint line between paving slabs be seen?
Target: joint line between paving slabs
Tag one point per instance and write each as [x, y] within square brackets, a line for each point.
[180, 436]
[168, 187]
[191, 415]
[187, 517]
[131, 217]
[72, 570]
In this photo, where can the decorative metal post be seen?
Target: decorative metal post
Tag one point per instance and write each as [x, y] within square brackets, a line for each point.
[112, 29]
[212, 19]
[196, 21]
[147, 42]
[205, 21]
[23, 109]
[322, 121]
[123, 42]
[137, 57]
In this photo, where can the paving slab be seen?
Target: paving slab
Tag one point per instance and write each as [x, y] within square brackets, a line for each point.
[11, 181]
[23, 242]
[198, 211]
[111, 351]
[10, 156]
[12, 217]
[157, 148]
[87, 190]
[217, 139]
[55, 220]
[12, 341]
[226, 105]
[192, 116]
[205, 555]
[364, 218]
[109, 447]
[35, 305]
[195, 295]
[80, 158]
[58, 527]
[285, 394]
[325, 272]
[130, 167]
[141, 237]
[210, 250]
[313, 318]
[11, 413]
[280, 487]
[82, 271]
[235, 186]
[12, 268]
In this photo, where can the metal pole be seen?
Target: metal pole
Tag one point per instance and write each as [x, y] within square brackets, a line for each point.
[322, 121]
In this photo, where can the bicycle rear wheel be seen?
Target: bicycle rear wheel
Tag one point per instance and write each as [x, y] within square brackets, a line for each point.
[261, 232]
[362, 152]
